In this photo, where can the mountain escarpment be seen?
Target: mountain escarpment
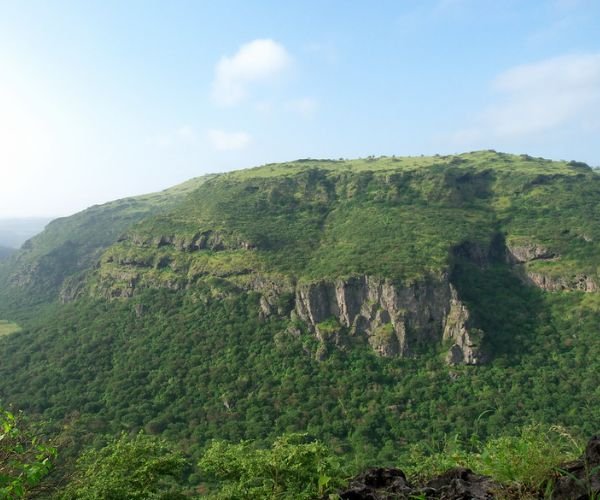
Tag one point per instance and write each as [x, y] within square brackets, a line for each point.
[365, 251]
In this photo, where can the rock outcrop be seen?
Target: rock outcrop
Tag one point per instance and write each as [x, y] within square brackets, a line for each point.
[577, 480]
[521, 255]
[203, 240]
[276, 295]
[579, 282]
[580, 479]
[466, 341]
[378, 483]
[391, 484]
[518, 254]
[397, 320]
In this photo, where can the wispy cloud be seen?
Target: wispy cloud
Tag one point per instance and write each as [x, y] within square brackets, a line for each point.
[182, 135]
[305, 106]
[535, 98]
[255, 62]
[228, 141]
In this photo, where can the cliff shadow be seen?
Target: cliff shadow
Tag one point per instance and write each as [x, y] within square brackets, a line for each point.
[501, 304]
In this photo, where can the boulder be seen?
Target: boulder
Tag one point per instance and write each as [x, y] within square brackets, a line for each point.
[580, 480]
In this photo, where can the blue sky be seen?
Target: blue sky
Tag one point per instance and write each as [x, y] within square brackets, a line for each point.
[105, 99]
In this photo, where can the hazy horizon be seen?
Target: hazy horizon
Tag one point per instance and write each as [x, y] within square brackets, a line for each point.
[14, 231]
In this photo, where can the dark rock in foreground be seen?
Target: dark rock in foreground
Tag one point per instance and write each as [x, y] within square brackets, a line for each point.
[378, 483]
[579, 480]
[389, 484]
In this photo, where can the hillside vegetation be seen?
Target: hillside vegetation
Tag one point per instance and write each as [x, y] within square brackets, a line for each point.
[71, 245]
[373, 304]
[395, 217]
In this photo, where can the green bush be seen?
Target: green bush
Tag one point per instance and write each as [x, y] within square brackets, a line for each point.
[523, 461]
[24, 459]
[142, 467]
[528, 458]
[293, 468]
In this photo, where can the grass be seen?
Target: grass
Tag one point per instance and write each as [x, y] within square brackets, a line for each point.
[7, 328]
[502, 162]
[523, 463]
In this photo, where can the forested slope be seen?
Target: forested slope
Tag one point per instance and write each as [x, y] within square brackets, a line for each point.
[72, 245]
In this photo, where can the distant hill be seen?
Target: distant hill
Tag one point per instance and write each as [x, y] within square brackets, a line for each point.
[372, 303]
[15, 231]
[6, 251]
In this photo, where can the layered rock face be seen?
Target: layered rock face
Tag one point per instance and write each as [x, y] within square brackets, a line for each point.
[396, 320]
[466, 347]
[579, 282]
[517, 255]
[204, 240]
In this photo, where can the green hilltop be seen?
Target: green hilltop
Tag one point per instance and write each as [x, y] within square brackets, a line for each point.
[394, 217]
[311, 219]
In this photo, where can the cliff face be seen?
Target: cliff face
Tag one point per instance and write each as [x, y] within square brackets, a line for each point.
[466, 340]
[203, 240]
[522, 255]
[578, 282]
[397, 320]
[49, 265]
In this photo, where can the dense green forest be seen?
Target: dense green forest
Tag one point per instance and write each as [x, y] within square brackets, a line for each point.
[222, 310]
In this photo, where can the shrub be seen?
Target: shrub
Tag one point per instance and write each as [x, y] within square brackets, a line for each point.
[295, 467]
[142, 467]
[24, 459]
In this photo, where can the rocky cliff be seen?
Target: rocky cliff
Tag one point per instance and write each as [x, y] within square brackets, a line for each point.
[521, 256]
[396, 319]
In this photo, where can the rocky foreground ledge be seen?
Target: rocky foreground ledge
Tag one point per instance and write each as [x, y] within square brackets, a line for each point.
[579, 480]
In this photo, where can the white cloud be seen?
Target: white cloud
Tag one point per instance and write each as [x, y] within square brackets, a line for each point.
[535, 98]
[305, 106]
[228, 141]
[255, 62]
